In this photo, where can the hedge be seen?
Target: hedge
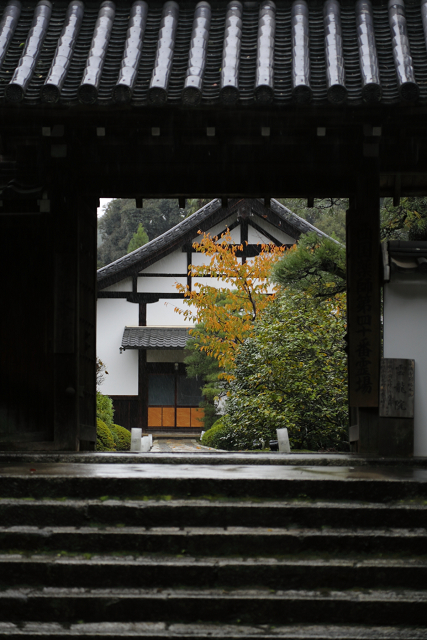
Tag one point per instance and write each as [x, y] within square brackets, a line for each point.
[104, 437]
[121, 437]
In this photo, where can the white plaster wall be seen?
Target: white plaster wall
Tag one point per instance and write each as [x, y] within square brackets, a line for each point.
[212, 282]
[162, 313]
[175, 262]
[123, 285]
[283, 237]
[159, 285]
[220, 227]
[112, 317]
[405, 336]
[199, 259]
[255, 237]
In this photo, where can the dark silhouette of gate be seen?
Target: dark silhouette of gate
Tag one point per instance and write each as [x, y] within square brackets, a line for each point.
[258, 99]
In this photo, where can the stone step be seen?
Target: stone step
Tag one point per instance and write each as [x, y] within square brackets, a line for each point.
[198, 512]
[348, 460]
[243, 541]
[149, 572]
[198, 631]
[385, 607]
[231, 481]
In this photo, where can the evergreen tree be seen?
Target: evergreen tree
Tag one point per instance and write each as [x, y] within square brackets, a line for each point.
[205, 368]
[292, 372]
[315, 265]
[407, 221]
[328, 214]
[139, 238]
[122, 219]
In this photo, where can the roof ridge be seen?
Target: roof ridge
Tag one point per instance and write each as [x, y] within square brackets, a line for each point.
[182, 227]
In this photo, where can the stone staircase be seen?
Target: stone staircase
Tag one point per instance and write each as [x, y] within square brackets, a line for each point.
[181, 551]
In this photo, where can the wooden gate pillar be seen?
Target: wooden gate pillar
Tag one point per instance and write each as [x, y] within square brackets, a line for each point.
[364, 310]
[47, 336]
[74, 342]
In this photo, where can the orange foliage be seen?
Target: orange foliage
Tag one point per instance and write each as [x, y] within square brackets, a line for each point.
[228, 311]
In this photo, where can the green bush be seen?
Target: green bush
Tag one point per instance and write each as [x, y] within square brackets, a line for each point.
[219, 436]
[121, 437]
[104, 409]
[104, 437]
[292, 373]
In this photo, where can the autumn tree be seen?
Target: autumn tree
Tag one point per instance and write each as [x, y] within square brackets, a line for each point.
[242, 283]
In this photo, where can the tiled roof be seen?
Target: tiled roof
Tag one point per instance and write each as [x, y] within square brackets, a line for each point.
[240, 53]
[408, 255]
[154, 338]
[187, 229]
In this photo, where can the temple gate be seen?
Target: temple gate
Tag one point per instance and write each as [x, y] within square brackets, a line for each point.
[258, 99]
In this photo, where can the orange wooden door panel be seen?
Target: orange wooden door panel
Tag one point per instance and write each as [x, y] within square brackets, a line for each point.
[168, 417]
[183, 417]
[154, 416]
[197, 417]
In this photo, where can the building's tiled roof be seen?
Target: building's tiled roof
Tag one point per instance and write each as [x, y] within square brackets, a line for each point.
[187, 229]
[240, 53]
[155, 338]
[408, 255]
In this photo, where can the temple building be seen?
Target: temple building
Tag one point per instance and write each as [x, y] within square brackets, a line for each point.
[142, 339]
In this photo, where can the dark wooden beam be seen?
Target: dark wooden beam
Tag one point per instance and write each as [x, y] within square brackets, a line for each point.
[364, 305]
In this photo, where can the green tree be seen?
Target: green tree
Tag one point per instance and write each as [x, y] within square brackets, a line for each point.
[408, 221]
[122, 219]
[139, 238]
[292, 372]
[205, 368]
[315, 265]
[194, 204]
[327, 214]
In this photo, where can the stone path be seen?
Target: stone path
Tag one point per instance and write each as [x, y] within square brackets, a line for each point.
[179, 446]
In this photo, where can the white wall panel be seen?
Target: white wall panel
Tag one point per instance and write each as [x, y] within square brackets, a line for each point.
[159, 285]
[175, 262]
[219, 228]
[123, 285]
[212, 282]
[405, 331]
[163, 313]
[199, 259]
[255, 237]
[112, 317]
[283, 237]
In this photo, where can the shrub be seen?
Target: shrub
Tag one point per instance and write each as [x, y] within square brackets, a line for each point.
[104, 409]
[292, 373]
[104, 437]
[121, 437]
[219, 436]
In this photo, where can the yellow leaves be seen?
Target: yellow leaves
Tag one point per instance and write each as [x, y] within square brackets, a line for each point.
[228, 311]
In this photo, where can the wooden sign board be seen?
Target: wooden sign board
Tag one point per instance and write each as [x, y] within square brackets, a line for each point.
[397, 383]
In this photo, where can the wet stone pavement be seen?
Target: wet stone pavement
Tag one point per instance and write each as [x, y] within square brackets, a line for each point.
[168, 445]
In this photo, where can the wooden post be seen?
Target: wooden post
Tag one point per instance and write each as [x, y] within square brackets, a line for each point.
[142, 375]
[47, 336]
[364, 307]
[74, 322]
[26, 367]
[88, 226]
